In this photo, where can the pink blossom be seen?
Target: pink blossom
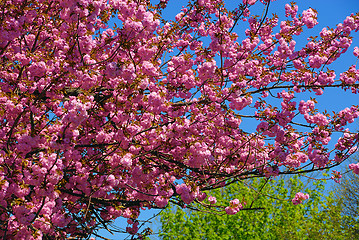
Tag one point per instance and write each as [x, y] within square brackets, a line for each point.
[354, 167]
[235, 206]
[161, 202]
[249, 2]
[231, 211]
[299, 198]
[309, 18]
[201, 196]
[291, 10]
[185, 192]
[356, 51]
[126, 160]
[336, 176]
[212, 200]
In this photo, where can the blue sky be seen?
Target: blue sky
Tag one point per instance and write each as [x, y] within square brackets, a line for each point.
[330, 13]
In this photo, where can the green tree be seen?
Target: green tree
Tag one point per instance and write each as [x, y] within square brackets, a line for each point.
[275, 218]
[346, 195]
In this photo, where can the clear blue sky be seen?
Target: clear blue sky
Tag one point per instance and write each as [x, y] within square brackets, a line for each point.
[330, 13]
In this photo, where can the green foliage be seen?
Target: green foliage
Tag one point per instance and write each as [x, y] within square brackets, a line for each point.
[280, 219]
[347, 196]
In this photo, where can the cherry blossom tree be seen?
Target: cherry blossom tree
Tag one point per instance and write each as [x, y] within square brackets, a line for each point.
[100, 122]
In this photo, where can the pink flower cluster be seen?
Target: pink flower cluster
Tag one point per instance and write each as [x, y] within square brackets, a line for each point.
[187, 195]
[212, 200]
[356, 52]
[291, 10]
[309, 18]
[234, 207]
[299, 198]
[354, 167]
[336, 176]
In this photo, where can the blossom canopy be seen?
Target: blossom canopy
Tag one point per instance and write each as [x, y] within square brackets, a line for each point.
[99, 122]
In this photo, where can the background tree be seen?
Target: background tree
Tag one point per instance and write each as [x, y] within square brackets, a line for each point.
[275, 218]
[347, 196]
[99, 122]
